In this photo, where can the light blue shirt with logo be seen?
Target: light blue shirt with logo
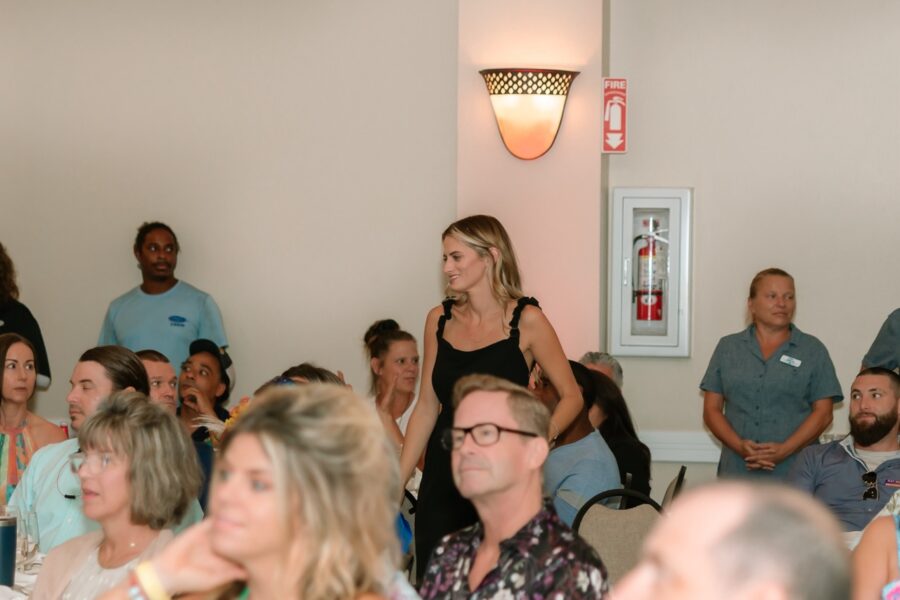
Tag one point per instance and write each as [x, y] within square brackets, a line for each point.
[166, 322]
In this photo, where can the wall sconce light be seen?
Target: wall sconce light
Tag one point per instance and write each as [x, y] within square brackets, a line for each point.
[528, 105]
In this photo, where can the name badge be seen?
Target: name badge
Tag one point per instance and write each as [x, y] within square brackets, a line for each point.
[790, 360]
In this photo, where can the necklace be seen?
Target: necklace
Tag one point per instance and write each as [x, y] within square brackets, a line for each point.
[112, 561]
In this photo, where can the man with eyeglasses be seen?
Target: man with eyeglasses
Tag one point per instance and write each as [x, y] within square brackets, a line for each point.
[855, 476]
[519, 548]
[49, 487]
[162, 313]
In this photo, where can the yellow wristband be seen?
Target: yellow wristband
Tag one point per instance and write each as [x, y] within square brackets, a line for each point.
[149, 580]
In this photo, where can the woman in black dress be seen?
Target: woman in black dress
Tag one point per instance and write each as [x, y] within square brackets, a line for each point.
[16, 318]
[487, 326]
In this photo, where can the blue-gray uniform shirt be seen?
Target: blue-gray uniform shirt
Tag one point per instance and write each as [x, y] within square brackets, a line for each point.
[886, 347]
[833, 474]
[767, 400]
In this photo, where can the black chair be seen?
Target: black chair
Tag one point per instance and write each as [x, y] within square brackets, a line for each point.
[626, 485]
[674, 487]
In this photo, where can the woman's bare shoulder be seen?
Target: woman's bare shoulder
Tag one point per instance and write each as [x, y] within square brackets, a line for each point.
[43, 431]
[435, 313]
[532, 316]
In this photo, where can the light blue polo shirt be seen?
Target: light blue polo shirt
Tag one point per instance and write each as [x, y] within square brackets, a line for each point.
[166, 322]
[767, 400]
[576, 472]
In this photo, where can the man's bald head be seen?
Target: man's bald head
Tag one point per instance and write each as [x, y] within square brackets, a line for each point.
[736, 540]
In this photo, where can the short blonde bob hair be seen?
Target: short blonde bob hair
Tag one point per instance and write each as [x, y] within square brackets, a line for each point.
[162, 464]
[335, 468]
[481, 233]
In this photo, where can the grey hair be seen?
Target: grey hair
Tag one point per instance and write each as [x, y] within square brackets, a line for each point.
[786, 538]
[604, 358]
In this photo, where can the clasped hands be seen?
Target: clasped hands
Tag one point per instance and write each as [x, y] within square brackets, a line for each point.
[763, 455]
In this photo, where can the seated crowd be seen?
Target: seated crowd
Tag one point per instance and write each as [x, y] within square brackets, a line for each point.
[294, 492]
[119, 513]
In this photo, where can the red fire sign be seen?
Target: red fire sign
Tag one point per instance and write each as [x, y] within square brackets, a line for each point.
[615, 101]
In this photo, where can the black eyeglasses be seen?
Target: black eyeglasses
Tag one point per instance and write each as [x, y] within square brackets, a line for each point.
[483, 434]
[871, 480]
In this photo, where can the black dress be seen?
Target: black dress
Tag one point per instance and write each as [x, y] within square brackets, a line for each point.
[441, 509]
[16, 318]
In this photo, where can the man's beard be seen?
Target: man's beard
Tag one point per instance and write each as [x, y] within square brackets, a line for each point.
[866, 435]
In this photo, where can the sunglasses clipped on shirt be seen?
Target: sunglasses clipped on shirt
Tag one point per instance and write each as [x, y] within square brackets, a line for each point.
[870, 478]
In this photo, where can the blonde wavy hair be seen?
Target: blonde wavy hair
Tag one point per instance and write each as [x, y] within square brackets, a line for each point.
[336, 470]
[481, 233]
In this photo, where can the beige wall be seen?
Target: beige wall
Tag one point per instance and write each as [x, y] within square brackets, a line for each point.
[309, 174]
[783, 119]
[550, 205]
[304, 152]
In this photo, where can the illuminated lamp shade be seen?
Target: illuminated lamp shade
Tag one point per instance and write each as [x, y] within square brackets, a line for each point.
[528, 105]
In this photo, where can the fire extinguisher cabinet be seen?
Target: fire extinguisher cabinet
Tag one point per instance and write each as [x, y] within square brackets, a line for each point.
[649, 271]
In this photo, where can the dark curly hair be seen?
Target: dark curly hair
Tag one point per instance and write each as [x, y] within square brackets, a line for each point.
[8, 288]
[146, 228]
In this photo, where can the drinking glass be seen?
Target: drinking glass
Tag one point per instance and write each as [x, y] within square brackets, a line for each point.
[28, 539]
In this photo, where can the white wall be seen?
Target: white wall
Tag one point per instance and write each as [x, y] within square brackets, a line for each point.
[783, 118]
[304, 152]
[550, 205]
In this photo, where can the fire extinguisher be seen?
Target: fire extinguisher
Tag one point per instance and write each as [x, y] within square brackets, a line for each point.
[651, 274]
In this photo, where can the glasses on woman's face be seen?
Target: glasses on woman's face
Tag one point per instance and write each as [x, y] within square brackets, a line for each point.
[483, 434]
[93, 462]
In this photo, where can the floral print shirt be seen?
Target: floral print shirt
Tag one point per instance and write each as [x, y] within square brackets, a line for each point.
[544, 560]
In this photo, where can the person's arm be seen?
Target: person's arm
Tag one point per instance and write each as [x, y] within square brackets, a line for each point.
[45, 433]
[769, 454]
[188, 564]
[211, 326]
[873, 559]
[198, 401]
[886, 345]
[424, 415]
[714, 418]
[540, 338]
[108, 330]
[385, 413]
